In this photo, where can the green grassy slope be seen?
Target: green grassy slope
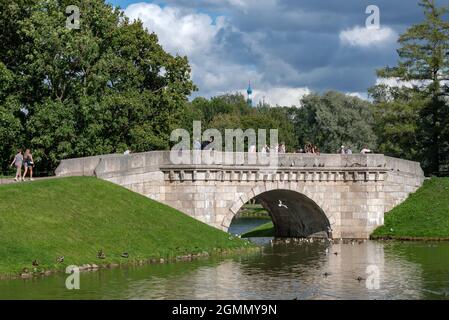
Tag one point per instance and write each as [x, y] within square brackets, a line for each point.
[424, 214]
[264, 230]
[76, 217]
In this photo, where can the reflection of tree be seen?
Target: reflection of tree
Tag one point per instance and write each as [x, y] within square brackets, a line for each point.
[433, 262]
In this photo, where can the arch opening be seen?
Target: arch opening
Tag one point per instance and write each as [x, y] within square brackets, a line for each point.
[294, 215]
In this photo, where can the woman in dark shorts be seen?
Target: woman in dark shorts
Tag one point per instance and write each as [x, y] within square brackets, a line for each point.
[28, 163]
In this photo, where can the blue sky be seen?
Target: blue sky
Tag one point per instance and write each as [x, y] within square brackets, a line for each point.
[287, 48]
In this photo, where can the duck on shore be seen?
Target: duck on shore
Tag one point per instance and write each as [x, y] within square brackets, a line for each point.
[101, 254]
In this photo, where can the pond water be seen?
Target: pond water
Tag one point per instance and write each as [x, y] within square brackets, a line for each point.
[389, 270]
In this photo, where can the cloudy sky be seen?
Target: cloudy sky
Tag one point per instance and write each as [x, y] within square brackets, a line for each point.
[286, 48]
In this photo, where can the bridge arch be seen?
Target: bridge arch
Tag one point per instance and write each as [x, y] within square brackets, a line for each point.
[294, 213]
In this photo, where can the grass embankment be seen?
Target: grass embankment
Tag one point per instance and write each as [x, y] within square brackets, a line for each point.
[253, 211]
[264, 230]
[424, 215]
[77, 217]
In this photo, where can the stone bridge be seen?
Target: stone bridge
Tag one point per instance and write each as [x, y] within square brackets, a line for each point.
[343, 195]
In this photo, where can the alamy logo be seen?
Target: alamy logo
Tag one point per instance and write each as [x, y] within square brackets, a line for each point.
[373, 279]
[248, 146]
[73, 20]
[72, 282]
[373, 20]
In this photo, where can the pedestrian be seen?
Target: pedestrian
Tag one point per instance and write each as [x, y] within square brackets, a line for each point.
[342, 150]
[282, 148]
[28, 163]
[204, 144]
[307, 148]
[17, 162]
[196, 145]
[365, 150]
[348, 150]
[252, 148]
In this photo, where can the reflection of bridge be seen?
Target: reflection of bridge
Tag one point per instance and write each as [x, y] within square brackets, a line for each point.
[304, 193]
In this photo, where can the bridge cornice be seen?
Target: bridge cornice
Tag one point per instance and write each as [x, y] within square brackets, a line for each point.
[241, 174]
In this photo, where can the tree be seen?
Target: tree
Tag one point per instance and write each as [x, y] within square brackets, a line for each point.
[224, 104]
[424, 62]
[335, 119]
[104, 88]
[231, 111]
[9, 120]
[397, 113]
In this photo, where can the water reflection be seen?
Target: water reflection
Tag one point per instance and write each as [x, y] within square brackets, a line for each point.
[281, 271]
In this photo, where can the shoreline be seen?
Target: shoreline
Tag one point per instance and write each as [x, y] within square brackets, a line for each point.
[91, 267]
[409, 238]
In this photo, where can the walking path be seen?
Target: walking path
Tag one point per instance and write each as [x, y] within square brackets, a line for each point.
[11, 180]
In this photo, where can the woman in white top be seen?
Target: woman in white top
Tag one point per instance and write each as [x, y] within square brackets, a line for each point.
[365, 150]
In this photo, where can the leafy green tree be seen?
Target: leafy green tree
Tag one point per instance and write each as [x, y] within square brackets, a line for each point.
[266, 117]
[397, 115]
[424, 61]
[224, 104]
[232, 112]
[104, 88]
[10, 125]
[335, 119]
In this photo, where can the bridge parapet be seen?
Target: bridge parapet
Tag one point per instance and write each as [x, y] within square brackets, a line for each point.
[113, 164]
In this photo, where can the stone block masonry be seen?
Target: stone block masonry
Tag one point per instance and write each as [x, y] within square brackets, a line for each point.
[344, 195]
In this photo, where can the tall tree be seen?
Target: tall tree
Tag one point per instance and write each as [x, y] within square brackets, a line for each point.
[424, 62]
[335, 119]
[397, 115]
[103, 88]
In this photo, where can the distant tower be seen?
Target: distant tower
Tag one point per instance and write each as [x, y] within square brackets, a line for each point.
[249, 91]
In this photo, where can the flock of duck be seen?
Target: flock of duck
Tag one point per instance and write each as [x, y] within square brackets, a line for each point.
[100, 255]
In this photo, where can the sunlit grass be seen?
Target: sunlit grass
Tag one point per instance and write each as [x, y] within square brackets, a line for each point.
[424, 214]
[76, 217]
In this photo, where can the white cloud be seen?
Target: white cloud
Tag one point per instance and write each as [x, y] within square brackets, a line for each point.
[367, 37]
[360, 95]
[179, 31]
[194, 34]
[224, 58]
[280, 96]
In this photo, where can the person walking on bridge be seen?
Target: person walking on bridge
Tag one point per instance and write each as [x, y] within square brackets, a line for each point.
[18, 161]
[28, 163]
